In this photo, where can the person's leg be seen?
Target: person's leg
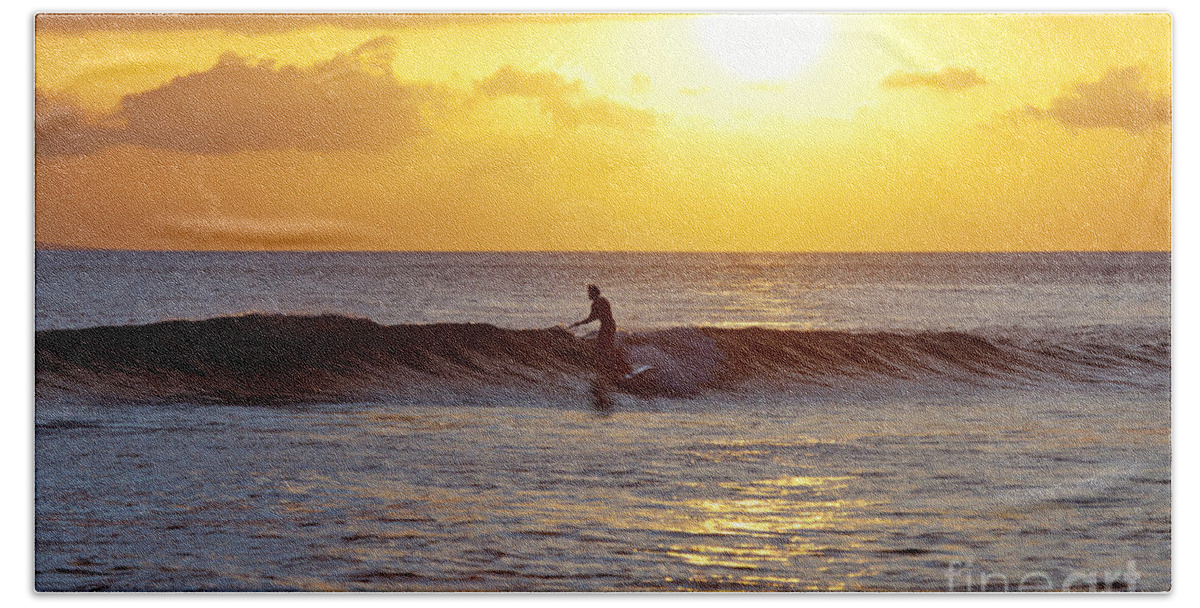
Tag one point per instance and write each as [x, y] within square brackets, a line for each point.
[615, 356]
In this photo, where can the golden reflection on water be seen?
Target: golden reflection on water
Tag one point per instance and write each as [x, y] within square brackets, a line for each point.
[758, 516]
[741, 556]
[763, 526]
[779, 532]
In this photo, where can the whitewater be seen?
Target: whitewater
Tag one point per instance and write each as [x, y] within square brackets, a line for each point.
[422, 421]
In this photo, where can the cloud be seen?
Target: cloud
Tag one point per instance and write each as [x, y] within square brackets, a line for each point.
[267, 23]
[566, 101]
[640, 84]
[267, 233]
[351, 101]
[1115, 101]
[62, 126]
[952, 78]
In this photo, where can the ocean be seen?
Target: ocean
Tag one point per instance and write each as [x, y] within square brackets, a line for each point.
[424, 422]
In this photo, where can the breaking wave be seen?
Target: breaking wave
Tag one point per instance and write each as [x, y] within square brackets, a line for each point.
[289, 359]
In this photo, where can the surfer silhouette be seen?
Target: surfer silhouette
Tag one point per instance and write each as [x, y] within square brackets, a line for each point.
[606, 339]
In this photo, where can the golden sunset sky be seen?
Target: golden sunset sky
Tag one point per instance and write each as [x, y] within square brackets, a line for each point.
[798, 132]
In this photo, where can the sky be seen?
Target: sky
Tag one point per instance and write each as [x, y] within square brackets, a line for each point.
[768, 132]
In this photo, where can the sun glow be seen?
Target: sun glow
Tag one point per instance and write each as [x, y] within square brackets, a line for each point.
[675, 132]
[765, 47]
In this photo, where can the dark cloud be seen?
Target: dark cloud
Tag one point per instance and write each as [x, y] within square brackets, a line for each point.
[350, 101]
[1115, 101]
[565, 101]
[62, 126]
[951, 78]
[353, 101]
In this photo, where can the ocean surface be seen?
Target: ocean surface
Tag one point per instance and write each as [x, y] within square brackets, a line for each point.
[423, 421]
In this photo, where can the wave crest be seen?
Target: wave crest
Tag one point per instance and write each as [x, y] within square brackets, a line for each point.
[283, 359]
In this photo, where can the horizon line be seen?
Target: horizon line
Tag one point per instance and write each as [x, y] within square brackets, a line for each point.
[58, 247]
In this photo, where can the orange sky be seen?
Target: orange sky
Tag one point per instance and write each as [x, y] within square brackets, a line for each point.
[740, 133]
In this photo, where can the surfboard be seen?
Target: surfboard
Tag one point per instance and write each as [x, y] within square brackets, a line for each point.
[637, 370]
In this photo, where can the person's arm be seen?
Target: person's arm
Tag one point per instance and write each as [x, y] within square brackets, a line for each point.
[594, 316]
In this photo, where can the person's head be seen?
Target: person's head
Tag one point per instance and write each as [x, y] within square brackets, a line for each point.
[593, 292]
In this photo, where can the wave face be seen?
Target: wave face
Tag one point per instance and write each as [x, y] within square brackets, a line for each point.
[289, 359]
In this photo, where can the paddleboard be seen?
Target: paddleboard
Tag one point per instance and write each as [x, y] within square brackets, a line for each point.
[637, 370]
